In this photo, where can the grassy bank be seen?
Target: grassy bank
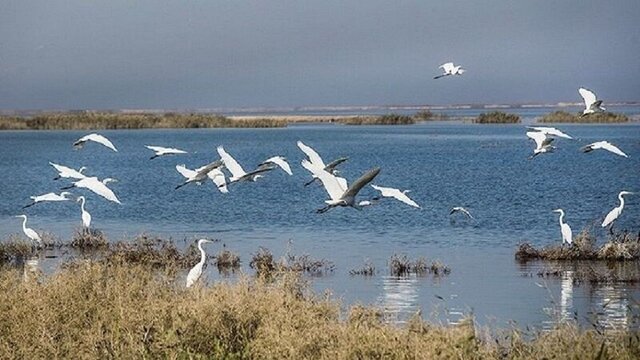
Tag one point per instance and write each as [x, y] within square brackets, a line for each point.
[92, 310]
[565, 117]
[497, 117]
[99, 121]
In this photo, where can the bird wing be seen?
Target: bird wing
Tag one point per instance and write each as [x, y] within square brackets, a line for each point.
[99, 188]
[612, 215]
[204, 170]
[313, 156]
[280, 161]
[538, 137]
[588, 96]
[99, 139]
[217, 176]
[342, 182]
[330, 182]
[332, 165]
[396, 194]
[67, 171]
[447, 67]
[361, 182]
[163, 150]
[230, 163]
[609, 147]
[187, 173]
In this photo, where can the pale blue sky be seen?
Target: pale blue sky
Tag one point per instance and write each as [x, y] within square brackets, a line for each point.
[205, 54]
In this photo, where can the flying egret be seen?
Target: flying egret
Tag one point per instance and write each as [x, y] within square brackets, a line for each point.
[200, 174]
[97, 186]
[615, 213]
[67, 172]
[591, 102]
[31, 234]
[216, 175]
[281, 161]
[48, 197]
[397, 194]
[565, 229]
[237, 172]
[462, 210]
[86, 217]
[96, 138]
[196, 271]
[605, 145]
[316, 160]
[549, 131]
[338, 192]
[450, 69]
[543, 143]
[160, 151]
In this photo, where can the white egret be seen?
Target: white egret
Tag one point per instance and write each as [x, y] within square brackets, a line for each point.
[316, 160]
[48, 197]
[605, 145]
[160, 151]
[196, 271]
[565, 229]
[216, 175]
[338, 192]
[591, 102]
[237, 172]
[615, 213]
[198, 175]
[543, 143]
[462, 210]
[97, 186]
[281, 161]
[549, 131]
[67, 172]
[96, 138]
[450, 69]
[86, 217]
[397, 194]
[31, 234]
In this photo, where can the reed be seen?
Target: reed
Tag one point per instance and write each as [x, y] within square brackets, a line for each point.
[565, 117]
[388, 119]
[497, 117]
[428, 115]
[401, 265]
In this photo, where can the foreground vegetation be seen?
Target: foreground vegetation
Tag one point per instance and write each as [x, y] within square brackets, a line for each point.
[123, 310]
[497, 117]
[104, 120]
[565, 117]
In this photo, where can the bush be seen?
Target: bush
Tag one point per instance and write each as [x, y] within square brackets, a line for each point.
[497, 117]
[565, 117]
[389, 119]
[428, 115]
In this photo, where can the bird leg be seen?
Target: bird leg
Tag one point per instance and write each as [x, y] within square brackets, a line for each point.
[67, 187]
[181, 185]
[310, 182]
[28, 205]
[324, 209]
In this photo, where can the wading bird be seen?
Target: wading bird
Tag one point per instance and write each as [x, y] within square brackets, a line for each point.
[200, 174]
[67, 172]
[543, 143]
[86, 217]
[281, 161]
[462, 210]
[96, 138]
[316, 160]
[338, 192]
[216, 175]
[615, 213]
[97, 186]
[551, 131]
[565, 229]
[48, 197]
[237, 172]
[605, 145]
[196, 271]
[160, 151]
[591, 102]
[396, 194]
[31, 234]
[450, 69]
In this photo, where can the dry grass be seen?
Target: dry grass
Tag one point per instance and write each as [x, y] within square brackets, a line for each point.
[565, 117]
[227, 261]
[401, 265]
[15, 249]
[368, 269]
[96, 310]
[389, 119]
[497, 117]
[89, 239]
[153, 252]
[266, 266]
[428, 115]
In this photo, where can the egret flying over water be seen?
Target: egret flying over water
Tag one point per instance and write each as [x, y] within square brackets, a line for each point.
[160, 151]
[237, 172]
[450, 69]
[605, 145]
[281, 161]
[96, 138]
[31, 234]
[615, 213]
[86, 217]
[67, 172]
[462, 210]
[565, 229]
[316, 160]
[591, 102]
[48, 197]
[97, 186]
[338, 192]
[196, 271]
[396, 194]
[216, 175]
[551, 131]
[543, 143]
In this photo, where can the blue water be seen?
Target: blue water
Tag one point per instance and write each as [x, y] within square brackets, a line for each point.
[482, 167]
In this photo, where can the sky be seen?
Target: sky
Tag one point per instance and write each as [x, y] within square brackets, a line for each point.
[188, 54]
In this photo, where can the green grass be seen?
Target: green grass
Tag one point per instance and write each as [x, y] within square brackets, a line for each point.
[497, 117]
[565, 117]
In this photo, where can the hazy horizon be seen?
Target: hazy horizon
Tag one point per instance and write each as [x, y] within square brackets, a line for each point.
[217, 54]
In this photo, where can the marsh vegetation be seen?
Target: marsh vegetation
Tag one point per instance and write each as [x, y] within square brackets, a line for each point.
[565, 117]
[497, 117]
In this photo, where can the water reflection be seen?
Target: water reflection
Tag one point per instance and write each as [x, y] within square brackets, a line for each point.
[30, 269]
[613, 304]
[566, 296]
[399, 297]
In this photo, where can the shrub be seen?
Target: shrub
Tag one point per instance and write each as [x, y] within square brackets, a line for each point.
[565, 117]
[497, 117]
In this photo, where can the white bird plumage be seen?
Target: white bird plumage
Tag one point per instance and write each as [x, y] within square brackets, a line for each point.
[462, 210]
[450, 69]
[543, 143]
[86, 217]
[96, 138]
[29, 232]
[97, 186]
[549, 131]
[396, 194]
[591, 102]
[216, 175]
[48, 197]
[195, 272]
[67, 172]
[237, 172]
[316, 160]
[565, 229]
[200, 174]
[281, 161]
[604, 145]
[615, 213]
[160, 151]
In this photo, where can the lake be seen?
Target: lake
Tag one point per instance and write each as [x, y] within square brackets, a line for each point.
[481, 167]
